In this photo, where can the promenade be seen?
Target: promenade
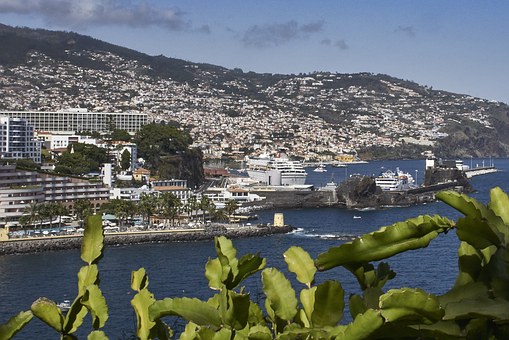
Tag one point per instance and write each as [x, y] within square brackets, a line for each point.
[52, 243]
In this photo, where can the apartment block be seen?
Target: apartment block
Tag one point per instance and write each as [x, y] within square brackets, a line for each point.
[17, 140]
[76, 120]
[19, 188]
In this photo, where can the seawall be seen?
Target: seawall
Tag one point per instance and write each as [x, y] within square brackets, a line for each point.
[35, 245]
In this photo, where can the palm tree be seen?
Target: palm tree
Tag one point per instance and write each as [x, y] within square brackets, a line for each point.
[230, 207]
[169, 204]
[220, 215]
[82, 208]
[24, 221]
[60, 211]
[48, 210]
[192, 202]
[147, 205]
[205, 204]
[32, 212]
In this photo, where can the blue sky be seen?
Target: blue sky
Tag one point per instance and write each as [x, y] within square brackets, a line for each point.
[459, 46]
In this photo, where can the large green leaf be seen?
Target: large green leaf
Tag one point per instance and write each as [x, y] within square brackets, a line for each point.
[139, 279]
[469, 263]
[92, 243]
[214, 273]
[388, 241]
[49, 313]
[467, 205]
[368, 276]
[235, 312]
[300, 263]
[88, 275]
[226, 253]
[470, 207]
[411, 306]
[479, 307]
[222, 334]
[280, 293]
[97, 335]
[259, 332]
[499, 204]
[194, 310]
[141, 302]
[307, 299]
[15, 324]
[364, 326]
[256, 316]
[248, 265]
[478, 232]
[356, 305]
[95, 302]
[74, 317]
[329, 304]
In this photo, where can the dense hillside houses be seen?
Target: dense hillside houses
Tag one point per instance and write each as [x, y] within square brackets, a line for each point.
[317, 116]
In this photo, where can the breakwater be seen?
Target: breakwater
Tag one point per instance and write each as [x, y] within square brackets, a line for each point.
[35, 245]
[480, 171]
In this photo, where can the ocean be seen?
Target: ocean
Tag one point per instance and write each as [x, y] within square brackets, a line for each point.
[177, 269]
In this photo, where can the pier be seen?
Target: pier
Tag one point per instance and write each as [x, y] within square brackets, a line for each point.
[480, 171]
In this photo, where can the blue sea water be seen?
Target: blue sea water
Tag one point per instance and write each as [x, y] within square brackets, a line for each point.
[177, 269]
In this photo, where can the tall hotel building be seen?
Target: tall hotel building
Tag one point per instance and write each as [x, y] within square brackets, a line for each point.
[76, 120]
[17, 140]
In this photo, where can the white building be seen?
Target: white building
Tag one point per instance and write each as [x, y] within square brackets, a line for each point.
[130, 194]
[17, 140]
[74, 120]
[61, 141]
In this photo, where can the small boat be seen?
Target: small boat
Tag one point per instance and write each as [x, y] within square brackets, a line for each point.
[320, 168]
[355, 217]
[64, 305]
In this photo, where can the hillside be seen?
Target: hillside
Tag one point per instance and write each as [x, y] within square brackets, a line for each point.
[230, 111]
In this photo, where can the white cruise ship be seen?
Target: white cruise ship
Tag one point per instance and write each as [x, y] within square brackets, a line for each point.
[276, 171]
[395, 181]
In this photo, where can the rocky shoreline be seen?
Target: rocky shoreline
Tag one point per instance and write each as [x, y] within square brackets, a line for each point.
[36, 245]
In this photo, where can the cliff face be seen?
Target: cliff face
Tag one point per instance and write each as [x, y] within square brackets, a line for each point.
[188, 166]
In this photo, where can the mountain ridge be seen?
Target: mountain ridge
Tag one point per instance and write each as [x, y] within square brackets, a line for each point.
[375, 115]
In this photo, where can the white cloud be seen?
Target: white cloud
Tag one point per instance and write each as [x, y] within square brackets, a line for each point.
[279, 33]
[85, 13]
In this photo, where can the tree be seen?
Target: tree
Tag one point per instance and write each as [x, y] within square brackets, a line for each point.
[84, 158]
[48, 211]
[82, 209]
[32, 211]
[230, 207]
[125, 160]
[61, 210]
[193, 205]
[120, 135]
[205, 205]
[169, 205]
[156, 141]
[147, 205]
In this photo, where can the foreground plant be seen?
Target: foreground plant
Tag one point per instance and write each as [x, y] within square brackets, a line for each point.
[88, 299]
[476, 307]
